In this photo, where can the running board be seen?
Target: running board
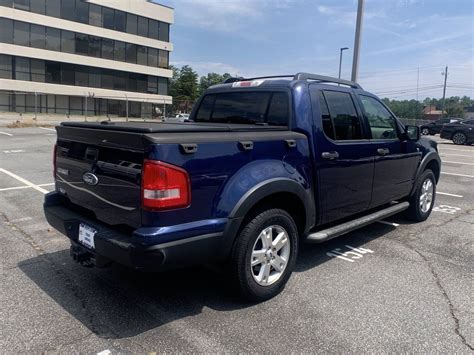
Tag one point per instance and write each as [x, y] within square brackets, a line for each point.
[336, 231]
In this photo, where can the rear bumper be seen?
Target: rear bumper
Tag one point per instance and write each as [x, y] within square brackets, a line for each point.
[132, 249]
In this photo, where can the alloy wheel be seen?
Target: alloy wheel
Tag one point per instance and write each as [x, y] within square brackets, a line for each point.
[426, 196]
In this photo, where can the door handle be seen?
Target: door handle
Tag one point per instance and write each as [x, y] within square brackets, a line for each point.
[330, 155]
[383, 151]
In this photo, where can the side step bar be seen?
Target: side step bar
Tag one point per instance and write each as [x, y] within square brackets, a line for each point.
[336, 231]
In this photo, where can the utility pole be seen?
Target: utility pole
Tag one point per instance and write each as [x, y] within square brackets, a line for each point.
[417, 82]
[355, 60]
[340, 60]
[444, 89]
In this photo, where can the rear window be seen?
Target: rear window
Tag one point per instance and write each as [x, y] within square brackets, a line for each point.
[245, 107]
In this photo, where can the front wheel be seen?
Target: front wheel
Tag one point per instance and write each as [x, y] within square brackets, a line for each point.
[425, 131]
[264, 254]
[422, 201]
[459, 138]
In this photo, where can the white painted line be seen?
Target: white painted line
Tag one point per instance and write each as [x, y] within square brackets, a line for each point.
[48, 129]
[23, 187]
[455, 150]
[469, 176]
[456, 162]
[7, 134]
[445, 193]
[389, 223]
[14, 151]
[24, 181]
[459, 155]
[105, 352]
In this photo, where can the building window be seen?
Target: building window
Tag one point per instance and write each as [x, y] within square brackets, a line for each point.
[142, 55]
[162, 86]
[21, 34]
[38, 36]
[67, 10]
[82, 44]
[22, 69]
[8, 3]
[94, 46]
[95, 15]
[67, 74]
[142, 26]
[62, 104]
[131, 53]
[53, 8]
[152, 57]
[108, 18]
[81, 76]
[153, 29]
[132, 24]
[67, 42]
[53, 39]
[82, 11]
[38, 6]
[75, 103]
[107, 51]
[22, 5]
[120, 21]
[119, 52]
[94, 77]
[37, 70]
[163, 59]
[53, 73]
[5, 66]
[6, 30]
[152, 85]
[164, 34]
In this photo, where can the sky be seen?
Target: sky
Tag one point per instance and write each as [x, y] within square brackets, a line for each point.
[403, 41]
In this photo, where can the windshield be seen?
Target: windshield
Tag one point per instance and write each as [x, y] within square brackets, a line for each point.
[245, 107]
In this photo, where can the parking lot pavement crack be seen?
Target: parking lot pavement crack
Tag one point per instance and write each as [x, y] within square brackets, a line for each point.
[457, 329]
[95, 324]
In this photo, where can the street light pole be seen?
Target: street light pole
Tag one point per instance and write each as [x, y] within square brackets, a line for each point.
[355, 60]
[340, 60]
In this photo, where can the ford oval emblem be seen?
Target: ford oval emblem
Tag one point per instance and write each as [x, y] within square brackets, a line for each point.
[90, 179]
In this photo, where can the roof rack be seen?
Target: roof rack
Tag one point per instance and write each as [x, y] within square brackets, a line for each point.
[301, 76]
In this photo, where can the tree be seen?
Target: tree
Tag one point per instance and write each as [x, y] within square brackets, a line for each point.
[184, 88]
[212, 79]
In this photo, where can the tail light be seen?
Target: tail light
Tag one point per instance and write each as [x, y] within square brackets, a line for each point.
[54, 161]
[164, 186]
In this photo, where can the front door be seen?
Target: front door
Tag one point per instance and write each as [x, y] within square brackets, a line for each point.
[396, 161]
[343, 163]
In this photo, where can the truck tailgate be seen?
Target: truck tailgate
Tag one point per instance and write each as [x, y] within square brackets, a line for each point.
[100, 172]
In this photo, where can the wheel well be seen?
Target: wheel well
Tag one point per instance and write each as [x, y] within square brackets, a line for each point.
[285, 201]
[435, 168]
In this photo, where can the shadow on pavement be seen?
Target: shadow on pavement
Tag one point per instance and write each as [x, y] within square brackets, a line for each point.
[118, 302]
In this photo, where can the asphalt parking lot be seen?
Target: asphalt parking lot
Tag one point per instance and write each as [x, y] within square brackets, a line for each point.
[409, 288]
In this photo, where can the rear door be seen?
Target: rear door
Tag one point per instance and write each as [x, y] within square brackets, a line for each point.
[343, 163]
[396, 161]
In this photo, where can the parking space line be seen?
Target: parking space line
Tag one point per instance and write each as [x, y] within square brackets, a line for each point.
[445, 193]
[48, 129]
[455, 150]
[24, 181]
[459, 155]
[463, 175]
[456, 162]
[7, 134]
[23, 187]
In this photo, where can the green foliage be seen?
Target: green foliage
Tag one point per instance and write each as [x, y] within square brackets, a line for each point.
[184, 88]
[412, 109]
[454, 106]
[212, 79]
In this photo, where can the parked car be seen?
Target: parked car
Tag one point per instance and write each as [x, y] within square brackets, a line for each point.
[266, 166]
[435, 127]
[461, 132]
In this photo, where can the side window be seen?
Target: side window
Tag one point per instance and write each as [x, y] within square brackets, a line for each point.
[343, 115]
[278, 111]
[382, 123]
[204, 113]
[326, 117]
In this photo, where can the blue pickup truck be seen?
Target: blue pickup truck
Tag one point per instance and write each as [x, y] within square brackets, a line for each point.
[266, 165]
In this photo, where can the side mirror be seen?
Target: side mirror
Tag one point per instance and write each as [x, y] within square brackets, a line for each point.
[412, 133]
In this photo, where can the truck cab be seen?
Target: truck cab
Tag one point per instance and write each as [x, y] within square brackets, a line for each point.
[266, 165]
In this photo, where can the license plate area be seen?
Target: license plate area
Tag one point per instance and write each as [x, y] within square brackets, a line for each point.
[87, 235]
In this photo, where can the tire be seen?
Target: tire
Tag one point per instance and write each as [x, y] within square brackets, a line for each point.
[459, 138]
[421, 205]
[253, 245]
[425, 131]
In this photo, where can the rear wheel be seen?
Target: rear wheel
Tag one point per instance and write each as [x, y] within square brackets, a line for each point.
[422, 201]
[264, 254]
[459, 138]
